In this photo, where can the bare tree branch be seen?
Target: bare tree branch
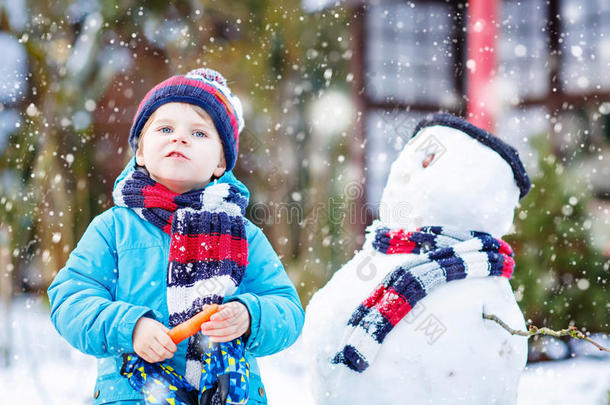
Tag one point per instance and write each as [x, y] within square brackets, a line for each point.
[572, 331]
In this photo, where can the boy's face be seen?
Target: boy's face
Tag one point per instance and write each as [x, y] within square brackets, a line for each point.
[181, 148]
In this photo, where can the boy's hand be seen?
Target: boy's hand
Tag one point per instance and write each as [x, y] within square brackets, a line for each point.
[230, 322]
[151, 341]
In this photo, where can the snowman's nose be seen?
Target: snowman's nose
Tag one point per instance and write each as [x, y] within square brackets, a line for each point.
[426, 162]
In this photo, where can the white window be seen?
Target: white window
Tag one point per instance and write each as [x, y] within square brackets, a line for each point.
[409, 53]
[585, 47]
[523, 68]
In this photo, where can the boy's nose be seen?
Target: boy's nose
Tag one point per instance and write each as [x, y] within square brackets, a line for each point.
[177, 136]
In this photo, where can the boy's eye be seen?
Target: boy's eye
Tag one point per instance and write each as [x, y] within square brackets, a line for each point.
[166, 130]
[200, 134]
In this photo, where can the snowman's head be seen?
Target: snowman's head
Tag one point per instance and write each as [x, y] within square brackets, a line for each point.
[456, 175]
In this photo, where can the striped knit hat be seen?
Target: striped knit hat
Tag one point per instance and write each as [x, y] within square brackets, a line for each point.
[205, 88]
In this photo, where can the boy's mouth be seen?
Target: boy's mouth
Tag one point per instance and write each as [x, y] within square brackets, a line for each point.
[176, 155]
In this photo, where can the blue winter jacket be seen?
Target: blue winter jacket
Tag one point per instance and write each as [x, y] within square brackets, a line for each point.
[117, 274]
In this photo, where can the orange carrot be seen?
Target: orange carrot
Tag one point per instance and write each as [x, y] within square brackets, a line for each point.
[188, 328]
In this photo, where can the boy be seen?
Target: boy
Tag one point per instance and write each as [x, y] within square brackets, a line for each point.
[175, 241]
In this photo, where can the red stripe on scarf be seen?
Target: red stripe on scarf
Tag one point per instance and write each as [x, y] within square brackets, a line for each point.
[390, 304]
[508, 266]
[158, 196]
[393, 306]
[509, 263]
[186, 248]
[375, 296]
[505, 248]
[168, 227]
[400, 242]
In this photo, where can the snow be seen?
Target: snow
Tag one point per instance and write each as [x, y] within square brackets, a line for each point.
[13, 69]
[584, 380]
[44, 369]
[580, 380]
[312, 6]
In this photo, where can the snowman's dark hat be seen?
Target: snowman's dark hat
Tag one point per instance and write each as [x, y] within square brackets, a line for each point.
[507, 152]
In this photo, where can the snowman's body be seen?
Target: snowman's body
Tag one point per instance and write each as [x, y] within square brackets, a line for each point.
[443, 351]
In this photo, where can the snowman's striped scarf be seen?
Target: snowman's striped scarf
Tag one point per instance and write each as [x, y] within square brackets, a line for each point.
[436, 256]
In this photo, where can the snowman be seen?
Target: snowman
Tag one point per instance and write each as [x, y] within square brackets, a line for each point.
[402, 321]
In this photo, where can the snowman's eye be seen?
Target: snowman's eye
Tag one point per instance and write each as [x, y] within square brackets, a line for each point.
[426, 162]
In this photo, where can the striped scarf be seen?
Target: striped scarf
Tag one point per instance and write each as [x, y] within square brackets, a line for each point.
[436, 256]
[208, 255]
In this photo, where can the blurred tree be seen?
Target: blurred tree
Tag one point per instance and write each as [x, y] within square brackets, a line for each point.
[91, 63]
[52, 151]
[283, 57]
[559, 277]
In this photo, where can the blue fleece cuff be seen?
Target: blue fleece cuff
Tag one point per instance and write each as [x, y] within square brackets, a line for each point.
[128, 324]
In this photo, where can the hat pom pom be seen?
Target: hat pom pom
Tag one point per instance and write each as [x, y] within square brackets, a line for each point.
[209, 75]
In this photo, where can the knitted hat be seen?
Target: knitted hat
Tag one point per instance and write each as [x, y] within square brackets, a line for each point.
[205, 88]
[507, 152]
